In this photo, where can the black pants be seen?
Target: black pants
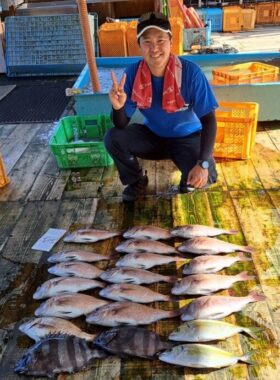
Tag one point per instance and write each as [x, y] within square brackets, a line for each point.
[137, 140]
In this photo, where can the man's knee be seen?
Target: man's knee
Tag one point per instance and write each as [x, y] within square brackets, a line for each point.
[112, 137]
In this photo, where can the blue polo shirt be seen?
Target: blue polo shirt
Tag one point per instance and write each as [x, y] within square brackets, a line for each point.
[196, 91]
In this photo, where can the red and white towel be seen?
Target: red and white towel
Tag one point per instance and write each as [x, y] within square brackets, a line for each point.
[172, 100]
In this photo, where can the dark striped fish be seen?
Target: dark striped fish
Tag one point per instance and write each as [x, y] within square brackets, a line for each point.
[131, 341]
[57, 353]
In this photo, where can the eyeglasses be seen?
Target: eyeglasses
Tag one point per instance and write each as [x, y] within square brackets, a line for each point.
[152, 15]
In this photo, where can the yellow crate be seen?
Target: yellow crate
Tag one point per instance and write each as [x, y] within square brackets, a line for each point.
[133, 48]
[248, 18]
[250, 72]
[236, 129]
[177, 27]
[265, 13]
[4, 180]
[232, 18]
[276, 14]
[112, 39]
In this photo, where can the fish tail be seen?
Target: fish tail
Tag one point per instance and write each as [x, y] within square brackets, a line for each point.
[252, 331]
[87, 337]
[174, 313]
[255, 296]
[170, 279]
[242, 257]
[232, 232]
[113, 256]
[171, 299]
[247, 357]
[247, 248]
[243, 276]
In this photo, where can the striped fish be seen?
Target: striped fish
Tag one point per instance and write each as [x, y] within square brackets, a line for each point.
[55, 354]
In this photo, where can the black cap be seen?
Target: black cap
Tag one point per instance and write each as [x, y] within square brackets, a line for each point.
[155, 20]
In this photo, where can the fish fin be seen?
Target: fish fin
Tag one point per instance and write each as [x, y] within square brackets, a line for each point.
[72, 258]
[70, 274]
[171, 279]
[141, 266]
[146, 237]
[248, 249]
[174, 313]
[255, 296]
[206, 291]
[130, 281]
[243, 276]
[62, 292]
[122, 307]
[216, 315]
[211, 269]
[247, 357]
[171, 299]
[58, 334]
[242, 257]
[112, 256]
[252, 331]
[232, 232]
[125, 299]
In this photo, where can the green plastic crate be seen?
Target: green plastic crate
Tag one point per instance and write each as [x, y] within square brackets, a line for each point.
[77, 142]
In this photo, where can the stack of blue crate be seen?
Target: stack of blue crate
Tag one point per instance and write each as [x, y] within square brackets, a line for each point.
[46, 45]
[215, 15]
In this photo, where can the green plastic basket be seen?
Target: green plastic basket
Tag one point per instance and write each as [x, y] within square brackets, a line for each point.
[77, 142]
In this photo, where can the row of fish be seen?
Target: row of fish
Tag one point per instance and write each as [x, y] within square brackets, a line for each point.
[143, 251]
[91, 235]
[195, 331]
[70, 353]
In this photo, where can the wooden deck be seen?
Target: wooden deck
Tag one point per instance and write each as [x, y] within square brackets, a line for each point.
[246, 197]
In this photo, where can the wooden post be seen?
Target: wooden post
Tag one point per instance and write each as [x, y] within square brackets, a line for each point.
[82, 5]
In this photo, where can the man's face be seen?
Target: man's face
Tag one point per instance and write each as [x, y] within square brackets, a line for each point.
[155, 46]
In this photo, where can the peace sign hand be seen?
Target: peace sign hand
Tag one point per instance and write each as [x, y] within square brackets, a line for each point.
[117, 95]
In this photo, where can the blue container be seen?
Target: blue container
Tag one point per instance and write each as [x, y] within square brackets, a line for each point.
[45, 45]
[267, 95]
[197, 36]
[213, 14]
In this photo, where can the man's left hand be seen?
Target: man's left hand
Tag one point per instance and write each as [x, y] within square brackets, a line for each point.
[197, 177]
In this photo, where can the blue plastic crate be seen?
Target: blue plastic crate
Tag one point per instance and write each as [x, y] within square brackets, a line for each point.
[196, 36]
[213, 14]
[45, 45]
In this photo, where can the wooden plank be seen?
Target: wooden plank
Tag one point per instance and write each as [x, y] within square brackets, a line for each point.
[5, 131]
[260, 225]
[273, 131]
[84, 183]
[110, 183]
[17, 303]
[275, 198]
[9, 214]
[50, 182]
[17, 142]
[212, 208]
[241, 175]
[266, 160]
[167, 176]
[27, 168]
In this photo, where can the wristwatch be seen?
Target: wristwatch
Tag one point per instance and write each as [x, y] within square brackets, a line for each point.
[203, 164]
